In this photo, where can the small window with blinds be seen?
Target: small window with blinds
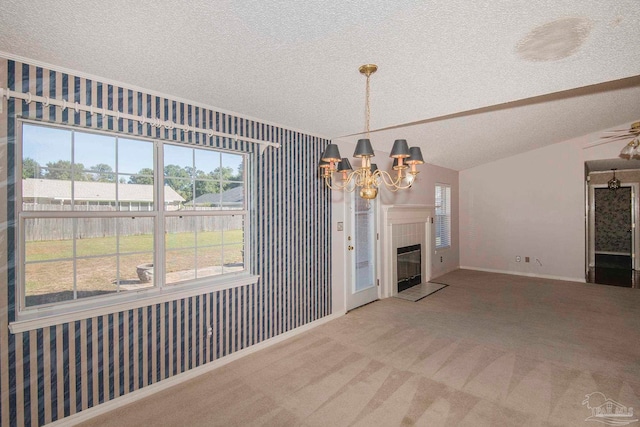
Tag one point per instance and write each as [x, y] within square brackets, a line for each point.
[443, 216]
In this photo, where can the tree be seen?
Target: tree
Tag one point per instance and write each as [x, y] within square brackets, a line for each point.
[180, 180]
[223, 173]
[103, 173]
[31, 169]
[140, 179]
[240, 173]
[62, 170]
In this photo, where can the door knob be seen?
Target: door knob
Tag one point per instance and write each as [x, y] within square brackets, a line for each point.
[350, 247]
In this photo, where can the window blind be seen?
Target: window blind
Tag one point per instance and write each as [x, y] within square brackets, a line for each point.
[443, 216]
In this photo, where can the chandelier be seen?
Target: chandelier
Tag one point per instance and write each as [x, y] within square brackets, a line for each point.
[339, 175]
[614, 183]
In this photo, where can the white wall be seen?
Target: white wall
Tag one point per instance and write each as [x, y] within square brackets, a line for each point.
[529, 205]
[421, 193]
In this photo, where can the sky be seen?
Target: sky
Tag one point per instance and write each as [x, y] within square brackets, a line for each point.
[50, 144]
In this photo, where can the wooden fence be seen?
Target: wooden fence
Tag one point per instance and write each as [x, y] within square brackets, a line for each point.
[40, 229]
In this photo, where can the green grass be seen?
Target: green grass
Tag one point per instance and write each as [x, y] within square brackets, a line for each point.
[57, 249]
[52, 280]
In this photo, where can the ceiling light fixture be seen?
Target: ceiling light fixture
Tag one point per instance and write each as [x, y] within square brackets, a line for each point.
[368, 177]
[613, 183]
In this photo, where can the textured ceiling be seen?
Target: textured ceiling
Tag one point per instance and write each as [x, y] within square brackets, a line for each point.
[469, 82]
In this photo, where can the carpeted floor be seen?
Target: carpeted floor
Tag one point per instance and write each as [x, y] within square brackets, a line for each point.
[489, 350]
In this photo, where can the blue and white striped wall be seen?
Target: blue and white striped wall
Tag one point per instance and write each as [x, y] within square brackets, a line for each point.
[53, 372]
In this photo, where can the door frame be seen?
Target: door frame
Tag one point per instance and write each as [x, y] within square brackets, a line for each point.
[635, 237]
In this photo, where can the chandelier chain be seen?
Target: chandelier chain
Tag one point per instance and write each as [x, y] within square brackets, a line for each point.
[367, 115]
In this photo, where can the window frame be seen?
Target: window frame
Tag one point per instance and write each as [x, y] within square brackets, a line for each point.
[28, 318]
[446, 216]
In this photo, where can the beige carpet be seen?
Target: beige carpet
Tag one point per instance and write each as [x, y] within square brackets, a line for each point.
[490, 350]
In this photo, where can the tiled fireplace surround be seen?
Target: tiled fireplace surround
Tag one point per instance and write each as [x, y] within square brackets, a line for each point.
[404, 225]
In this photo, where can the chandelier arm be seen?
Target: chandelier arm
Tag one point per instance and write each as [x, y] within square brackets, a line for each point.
[391, 183]
[345, 186]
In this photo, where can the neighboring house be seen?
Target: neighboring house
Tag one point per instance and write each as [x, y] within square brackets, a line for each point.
[134, 197]
[232, 198]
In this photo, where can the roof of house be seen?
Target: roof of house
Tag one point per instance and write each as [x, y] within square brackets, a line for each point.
[234, 195]
[93, 191]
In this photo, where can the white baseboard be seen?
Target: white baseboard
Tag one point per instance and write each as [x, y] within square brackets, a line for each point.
[136, 395]
[519, 273]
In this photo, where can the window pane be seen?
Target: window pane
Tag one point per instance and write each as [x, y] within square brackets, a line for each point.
[95, 236]
[234, 229]
[180, 265]
[48, 238]
[48, 282]
[136, 272]
[177, 190]
[177, 160]
[233, 196]
[209, 261]
[234, 163]
[94, 152]
[207, 162]
[46, 195]
[233, 258]
[46, 152]
[94, 196]
[96, 276]
[145, 178]
[180, 232]
[136, 192]
[208, 195]
[136, 235]
[135, 157]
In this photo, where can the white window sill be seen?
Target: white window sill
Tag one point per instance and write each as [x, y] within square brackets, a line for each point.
[49, 316]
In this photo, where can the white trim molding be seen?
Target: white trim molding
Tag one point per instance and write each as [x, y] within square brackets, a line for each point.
[519, 273]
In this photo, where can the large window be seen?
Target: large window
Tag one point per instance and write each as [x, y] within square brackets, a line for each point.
[443, 216]
[101, 214]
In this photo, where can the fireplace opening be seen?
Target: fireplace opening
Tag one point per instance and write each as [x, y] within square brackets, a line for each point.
[409, 267]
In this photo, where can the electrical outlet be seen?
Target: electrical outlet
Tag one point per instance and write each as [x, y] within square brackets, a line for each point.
[340, 226]
[518, 258]
[210, 331]
[526, 259]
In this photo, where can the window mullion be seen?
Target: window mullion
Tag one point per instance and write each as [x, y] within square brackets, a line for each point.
[160, 223]
[74, 232]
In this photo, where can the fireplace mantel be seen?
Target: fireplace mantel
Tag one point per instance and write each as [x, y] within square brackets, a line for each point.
[406, 214]
[395, 219]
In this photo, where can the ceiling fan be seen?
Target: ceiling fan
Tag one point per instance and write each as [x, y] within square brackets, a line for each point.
[630, 150]
[633, 131]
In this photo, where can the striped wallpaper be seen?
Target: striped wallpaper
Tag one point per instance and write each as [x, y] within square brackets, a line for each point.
[50, 373]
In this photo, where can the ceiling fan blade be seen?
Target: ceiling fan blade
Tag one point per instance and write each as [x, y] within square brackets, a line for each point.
[628, 135]
[617, 130]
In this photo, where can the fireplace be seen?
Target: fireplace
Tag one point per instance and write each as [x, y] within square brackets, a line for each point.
[409, 266]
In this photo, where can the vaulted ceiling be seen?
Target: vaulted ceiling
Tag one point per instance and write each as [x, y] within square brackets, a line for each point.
[468, 81]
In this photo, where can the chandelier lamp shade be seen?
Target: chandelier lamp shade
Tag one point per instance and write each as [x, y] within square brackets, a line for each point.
[340, 175]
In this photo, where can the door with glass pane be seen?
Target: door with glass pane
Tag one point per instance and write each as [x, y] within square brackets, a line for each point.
[362, 284]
